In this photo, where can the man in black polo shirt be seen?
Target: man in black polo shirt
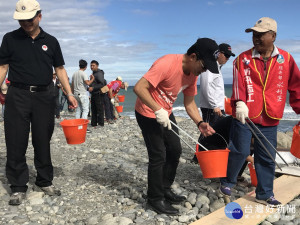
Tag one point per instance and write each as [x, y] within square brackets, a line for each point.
[30, 55]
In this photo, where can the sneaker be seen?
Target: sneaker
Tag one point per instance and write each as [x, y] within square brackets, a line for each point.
[272, 202]
[88, 131]
[16, 198]
[225, 191]
[50, 190]
[110, 121]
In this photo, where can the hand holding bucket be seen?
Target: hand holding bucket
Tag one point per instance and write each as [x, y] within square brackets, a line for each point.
[213, 163]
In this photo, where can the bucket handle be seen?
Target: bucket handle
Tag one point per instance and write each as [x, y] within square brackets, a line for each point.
[197, 145]
[187, 135]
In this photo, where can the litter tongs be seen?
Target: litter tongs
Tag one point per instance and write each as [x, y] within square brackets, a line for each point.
[174, 124]
[264, 147]
[253, 132]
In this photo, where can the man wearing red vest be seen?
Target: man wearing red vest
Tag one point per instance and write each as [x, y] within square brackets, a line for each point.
[261, 78]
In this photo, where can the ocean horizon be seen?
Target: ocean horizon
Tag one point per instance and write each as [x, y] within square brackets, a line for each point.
[289, 120]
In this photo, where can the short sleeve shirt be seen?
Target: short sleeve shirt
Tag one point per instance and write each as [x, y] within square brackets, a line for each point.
[167, 80]
[79, 78]
[115, 85]
[31, 61]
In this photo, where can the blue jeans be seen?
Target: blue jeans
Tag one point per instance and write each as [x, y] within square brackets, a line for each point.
[83, 106]
[239, 145]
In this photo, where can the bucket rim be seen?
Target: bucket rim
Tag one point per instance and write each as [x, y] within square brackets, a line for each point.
[84, 121]
[215, 150]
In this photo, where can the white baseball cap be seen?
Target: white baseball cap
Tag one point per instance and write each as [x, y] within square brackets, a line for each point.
[119, 78]
[26, 9]
[264, 24]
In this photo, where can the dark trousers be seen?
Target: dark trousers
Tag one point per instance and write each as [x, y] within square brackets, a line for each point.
[97, 108]
[57, 106]
[164, 150]
[209, 116]
[109, 110]
[22, 109]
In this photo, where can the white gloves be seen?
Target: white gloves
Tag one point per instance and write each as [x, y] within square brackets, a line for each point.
[162, 118]
[241, 111]
[112, 101]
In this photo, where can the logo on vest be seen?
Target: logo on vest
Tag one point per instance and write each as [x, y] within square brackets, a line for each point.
[280, 59]
[246, 61]
[44, 47]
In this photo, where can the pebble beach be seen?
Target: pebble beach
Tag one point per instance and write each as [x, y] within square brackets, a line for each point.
[104, 181]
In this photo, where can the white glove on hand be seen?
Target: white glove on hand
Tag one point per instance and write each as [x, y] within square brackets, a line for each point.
[112, 101]
[241, 111]
[162, 118]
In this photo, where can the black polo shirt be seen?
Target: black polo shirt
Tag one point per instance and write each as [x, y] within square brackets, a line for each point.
[31, 61]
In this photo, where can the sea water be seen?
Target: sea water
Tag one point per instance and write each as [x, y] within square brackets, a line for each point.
[289, 120]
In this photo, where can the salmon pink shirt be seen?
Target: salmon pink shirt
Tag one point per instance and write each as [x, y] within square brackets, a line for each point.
[167, 81]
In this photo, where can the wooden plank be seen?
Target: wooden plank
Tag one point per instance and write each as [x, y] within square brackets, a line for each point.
[289, 170]
[286, 188]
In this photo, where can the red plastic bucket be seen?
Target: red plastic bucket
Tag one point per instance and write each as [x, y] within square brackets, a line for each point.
[121, 98]
[75, 130]
[252, 174]
[213, 163]
[295, 147]
[228, 108]
[119, 108]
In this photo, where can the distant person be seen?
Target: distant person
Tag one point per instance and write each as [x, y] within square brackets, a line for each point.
[262, 76]
[64, 100]
[80, 83]
[212, 92]
[114, 87]
[29, 54]
[97, 97]
[54, 88]
[4, 88]
[157, 91]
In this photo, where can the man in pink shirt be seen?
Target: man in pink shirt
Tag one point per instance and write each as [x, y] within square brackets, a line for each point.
[157, 91]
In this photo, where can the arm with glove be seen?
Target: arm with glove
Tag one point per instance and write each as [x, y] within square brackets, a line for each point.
[141, 89]
[241, 111]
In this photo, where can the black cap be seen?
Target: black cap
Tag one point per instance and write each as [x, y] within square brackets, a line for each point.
[207, 50]
[226, 49]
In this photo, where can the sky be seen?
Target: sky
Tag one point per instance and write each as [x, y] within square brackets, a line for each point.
[127, 36]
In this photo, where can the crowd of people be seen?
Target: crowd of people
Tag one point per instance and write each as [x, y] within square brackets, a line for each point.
[96, 98]
[262, 76]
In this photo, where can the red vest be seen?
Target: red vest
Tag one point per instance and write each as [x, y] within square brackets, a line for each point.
[268, 93]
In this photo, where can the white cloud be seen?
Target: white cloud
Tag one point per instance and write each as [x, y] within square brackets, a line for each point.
[83, 33]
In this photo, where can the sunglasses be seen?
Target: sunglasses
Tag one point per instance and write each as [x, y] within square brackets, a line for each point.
[226, 55]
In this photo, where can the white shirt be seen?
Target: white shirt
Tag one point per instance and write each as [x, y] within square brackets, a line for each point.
[79, 78]
[212, 90]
